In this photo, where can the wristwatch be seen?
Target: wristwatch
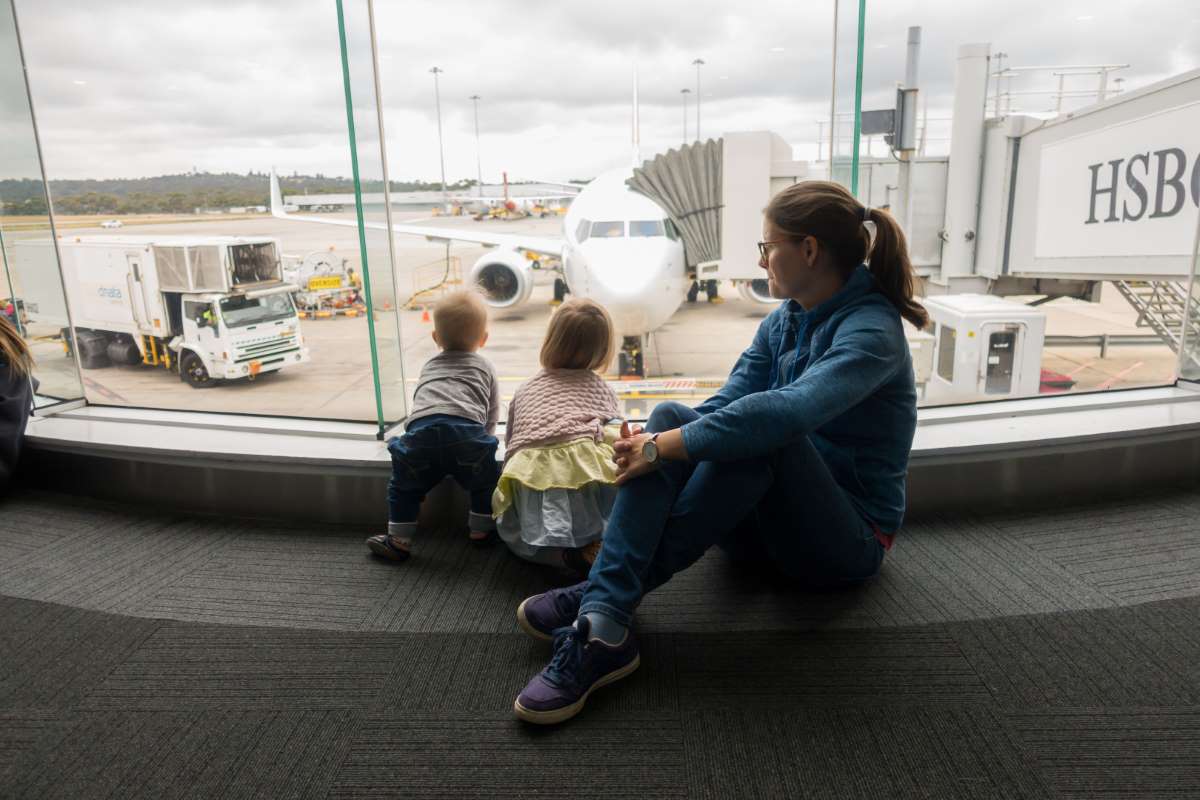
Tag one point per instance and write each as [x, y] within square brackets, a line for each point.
[650, 450]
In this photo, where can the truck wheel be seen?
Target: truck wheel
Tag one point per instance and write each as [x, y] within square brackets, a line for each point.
[193, 373]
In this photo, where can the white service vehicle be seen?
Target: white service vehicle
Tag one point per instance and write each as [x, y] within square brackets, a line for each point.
[209, 307]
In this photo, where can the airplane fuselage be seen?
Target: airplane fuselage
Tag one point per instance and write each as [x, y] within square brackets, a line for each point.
[622, 251]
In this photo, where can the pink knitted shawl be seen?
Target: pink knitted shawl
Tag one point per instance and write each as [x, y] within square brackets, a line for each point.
[557, 405]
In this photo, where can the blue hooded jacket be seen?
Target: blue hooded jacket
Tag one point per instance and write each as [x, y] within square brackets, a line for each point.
[840, 374]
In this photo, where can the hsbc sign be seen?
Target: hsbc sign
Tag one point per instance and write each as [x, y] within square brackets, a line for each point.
[1126, 190]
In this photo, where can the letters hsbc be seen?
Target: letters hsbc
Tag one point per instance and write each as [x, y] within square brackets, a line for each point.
[1119, 198]
[1157, 182]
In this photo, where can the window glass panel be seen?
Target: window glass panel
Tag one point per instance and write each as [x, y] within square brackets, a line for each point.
[171, 263]
[255, 263]
[608, 230]
[581, 231]
[208, 272]
[672, 231]
[32, 300]
[646, 228]
[1002, 348]
[238, 312]
[945, 365]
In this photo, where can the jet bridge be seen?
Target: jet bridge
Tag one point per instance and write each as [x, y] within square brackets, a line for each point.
[1023, 206]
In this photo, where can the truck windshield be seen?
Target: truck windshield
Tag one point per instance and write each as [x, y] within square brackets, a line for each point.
[254, 263]
[239, 312]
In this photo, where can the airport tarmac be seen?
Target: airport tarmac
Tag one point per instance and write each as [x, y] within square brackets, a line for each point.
[686, 360]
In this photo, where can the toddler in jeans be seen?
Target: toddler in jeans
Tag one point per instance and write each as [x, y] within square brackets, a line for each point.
[450, 430]
[558, 484]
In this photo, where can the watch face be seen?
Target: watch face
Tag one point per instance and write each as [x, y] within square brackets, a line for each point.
[650, 451]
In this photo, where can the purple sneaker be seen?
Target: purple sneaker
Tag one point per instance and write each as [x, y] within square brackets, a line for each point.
[580, 665]
[543, 614]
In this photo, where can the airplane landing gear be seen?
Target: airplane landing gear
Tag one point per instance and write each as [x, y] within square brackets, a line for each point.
[630, 363]
[710, 288]
[560, 291]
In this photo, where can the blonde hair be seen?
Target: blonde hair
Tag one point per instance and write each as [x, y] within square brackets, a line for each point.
[14, 350]
[460, 320]
[831, 214]
[580, 336]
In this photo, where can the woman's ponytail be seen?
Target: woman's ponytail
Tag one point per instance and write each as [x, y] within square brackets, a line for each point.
[888, 260]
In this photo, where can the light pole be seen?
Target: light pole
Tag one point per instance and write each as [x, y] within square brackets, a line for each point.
[478, 163]
[685, 93]
[699, 62]
[437, 98]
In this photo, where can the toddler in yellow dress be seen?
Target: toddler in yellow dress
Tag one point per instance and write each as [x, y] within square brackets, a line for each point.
[557, 486]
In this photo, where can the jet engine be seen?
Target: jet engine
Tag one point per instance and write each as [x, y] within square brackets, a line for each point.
[504, 276]
[756, 290]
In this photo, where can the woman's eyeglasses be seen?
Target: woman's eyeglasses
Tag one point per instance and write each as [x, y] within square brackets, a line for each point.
[762, 246]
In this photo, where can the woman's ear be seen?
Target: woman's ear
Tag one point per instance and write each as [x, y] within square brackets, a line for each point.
[811, 250]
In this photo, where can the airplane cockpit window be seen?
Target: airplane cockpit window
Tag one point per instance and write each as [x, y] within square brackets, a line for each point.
[646, 227]
[608, 230]
[581, 233]
[672, 231]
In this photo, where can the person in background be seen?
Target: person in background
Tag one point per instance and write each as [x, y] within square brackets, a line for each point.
[450, 431]
[559, 482]
[797, 465]
[16, 397]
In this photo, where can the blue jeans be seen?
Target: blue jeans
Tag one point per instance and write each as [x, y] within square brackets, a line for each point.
[782, 510]
[431, 449]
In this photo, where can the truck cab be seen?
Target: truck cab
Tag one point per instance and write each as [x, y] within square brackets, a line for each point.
[227, 336]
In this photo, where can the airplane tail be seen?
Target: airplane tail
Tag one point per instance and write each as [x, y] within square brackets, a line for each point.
[276, 196]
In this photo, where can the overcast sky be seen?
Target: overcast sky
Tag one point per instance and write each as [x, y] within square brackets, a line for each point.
[129, 88]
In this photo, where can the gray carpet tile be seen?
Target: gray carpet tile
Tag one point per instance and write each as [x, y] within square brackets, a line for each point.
[184, 754]
[869, 752]
[27, 737]
[1146, 655]
[1114, 752]
[290, 577]
[186, 665]
[451, 585]
[53, 656]
[1132, 551]
[117, 562]
[917, 665]
[448, 755]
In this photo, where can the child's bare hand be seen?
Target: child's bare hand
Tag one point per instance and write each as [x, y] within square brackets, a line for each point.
[628, 431]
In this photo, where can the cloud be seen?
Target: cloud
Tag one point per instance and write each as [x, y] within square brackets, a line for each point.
[226, 85]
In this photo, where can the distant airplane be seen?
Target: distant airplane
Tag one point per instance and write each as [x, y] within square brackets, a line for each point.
[111, 223]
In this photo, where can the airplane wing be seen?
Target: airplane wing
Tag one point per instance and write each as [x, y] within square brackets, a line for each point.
[540, 245]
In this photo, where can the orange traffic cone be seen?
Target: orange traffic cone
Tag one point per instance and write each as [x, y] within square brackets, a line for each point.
[424, 313]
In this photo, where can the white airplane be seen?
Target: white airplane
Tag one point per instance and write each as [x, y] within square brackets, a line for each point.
[111, 223]
[618, 248]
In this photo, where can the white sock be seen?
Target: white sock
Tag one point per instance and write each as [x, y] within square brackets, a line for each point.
[605, 628]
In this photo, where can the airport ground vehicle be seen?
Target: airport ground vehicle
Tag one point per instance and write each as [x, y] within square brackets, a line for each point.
[210, 308]
[325, 284]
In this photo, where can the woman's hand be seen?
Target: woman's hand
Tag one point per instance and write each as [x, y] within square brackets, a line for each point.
[627, 455]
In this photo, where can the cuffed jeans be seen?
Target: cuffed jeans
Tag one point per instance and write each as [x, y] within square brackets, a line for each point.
[783, 509]
[430, 451]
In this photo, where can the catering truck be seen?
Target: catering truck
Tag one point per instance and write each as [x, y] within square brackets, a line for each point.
[209, 308]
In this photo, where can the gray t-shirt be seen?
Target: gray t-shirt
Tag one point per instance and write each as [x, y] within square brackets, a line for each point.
[461, 384]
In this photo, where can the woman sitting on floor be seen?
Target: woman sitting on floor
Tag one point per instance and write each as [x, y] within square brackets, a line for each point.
[798, 463]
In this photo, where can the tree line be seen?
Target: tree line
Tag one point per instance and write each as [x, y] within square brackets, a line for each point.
[179, 194]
